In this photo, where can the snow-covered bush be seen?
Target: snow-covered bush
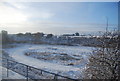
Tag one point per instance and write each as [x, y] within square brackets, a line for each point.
[104, 63]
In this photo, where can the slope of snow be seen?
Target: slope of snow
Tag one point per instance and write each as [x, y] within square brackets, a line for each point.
[11, 74]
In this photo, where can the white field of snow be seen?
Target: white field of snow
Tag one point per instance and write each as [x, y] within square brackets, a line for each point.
[18, 54]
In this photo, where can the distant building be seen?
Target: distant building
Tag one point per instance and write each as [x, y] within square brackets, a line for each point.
[68, 34]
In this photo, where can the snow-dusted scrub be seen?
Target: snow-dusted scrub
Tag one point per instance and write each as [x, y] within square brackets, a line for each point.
[60, 54]
[104, 63]
[60, 58]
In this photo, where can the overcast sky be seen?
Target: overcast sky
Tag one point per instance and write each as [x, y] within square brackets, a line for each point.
[58, 17]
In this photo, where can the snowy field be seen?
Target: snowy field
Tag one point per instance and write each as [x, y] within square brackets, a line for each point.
[73, 67]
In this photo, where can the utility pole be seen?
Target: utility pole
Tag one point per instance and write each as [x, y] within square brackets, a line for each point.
[106, 24]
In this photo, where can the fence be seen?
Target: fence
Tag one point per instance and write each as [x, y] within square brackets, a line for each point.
[31, 72]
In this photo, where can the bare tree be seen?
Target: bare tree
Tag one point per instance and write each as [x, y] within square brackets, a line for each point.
[104, 63]
[5, 38]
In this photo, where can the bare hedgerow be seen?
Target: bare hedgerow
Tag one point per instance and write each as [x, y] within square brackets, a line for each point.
[104, 63]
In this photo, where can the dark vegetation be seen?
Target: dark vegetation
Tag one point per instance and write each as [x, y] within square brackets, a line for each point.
[41, 38]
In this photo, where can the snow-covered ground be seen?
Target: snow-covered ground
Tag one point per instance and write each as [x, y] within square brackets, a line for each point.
[11, 74]
[74, 72]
